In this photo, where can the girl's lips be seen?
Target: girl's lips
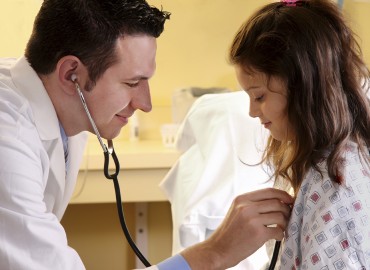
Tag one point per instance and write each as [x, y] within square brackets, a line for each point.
[267, 124]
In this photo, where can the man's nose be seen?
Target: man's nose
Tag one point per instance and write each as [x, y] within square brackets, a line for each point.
[142, 99]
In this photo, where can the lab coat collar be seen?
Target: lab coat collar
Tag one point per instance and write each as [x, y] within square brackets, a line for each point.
[29, 84]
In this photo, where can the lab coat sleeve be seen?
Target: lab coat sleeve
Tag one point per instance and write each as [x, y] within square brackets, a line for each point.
[175, 262]
[154, 267]
[31, 237]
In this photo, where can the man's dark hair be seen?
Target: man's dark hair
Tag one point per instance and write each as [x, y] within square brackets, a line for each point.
[88, 29]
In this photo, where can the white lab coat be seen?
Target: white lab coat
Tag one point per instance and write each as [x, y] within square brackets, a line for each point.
[34, 187]
[218, 139]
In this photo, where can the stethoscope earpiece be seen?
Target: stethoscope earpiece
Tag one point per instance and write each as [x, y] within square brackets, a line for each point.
[73, 78]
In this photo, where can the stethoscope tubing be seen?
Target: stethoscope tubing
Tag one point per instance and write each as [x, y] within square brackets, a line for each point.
[89, 116]
[119, 202]
[109, 151]
[275, 255]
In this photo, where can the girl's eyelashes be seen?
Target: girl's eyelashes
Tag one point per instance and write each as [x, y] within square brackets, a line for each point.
[259, 98]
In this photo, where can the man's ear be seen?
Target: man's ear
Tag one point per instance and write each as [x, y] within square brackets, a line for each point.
[69, 67]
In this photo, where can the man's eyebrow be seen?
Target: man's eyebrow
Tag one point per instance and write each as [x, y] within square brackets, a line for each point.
[137, 78]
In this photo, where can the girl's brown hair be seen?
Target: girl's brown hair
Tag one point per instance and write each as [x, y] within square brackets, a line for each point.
[312, 49]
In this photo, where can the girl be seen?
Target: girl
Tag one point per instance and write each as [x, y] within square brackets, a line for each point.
[302, 69]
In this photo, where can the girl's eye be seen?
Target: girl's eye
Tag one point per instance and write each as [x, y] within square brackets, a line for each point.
[259, 98]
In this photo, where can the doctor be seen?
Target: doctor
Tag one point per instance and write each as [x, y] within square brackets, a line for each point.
[110, 47]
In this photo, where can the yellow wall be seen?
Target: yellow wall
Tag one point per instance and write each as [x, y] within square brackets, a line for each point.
[16, 21]
[191, 51]
[358, 14]
[193, 48]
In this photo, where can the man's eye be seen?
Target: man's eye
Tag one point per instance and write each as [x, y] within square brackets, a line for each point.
[133, 84]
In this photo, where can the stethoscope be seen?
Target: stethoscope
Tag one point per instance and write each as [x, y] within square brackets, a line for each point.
[109, 151]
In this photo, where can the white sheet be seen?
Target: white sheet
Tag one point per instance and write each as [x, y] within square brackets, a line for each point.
[217, 137]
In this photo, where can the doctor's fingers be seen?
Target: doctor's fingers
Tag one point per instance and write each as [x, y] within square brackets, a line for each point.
[263, 207]
[266, 194]
[273, 205]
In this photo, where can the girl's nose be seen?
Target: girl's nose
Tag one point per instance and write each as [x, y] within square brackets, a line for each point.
[253, 109]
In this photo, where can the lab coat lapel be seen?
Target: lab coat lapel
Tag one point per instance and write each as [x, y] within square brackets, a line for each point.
[46, 121]
[76, 146]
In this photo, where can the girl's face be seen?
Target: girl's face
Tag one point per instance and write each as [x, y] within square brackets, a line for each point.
[268, 101]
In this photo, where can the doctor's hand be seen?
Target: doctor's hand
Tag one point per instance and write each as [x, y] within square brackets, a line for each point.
[246, 227]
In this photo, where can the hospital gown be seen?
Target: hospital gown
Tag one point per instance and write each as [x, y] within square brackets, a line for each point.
[330, 227]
